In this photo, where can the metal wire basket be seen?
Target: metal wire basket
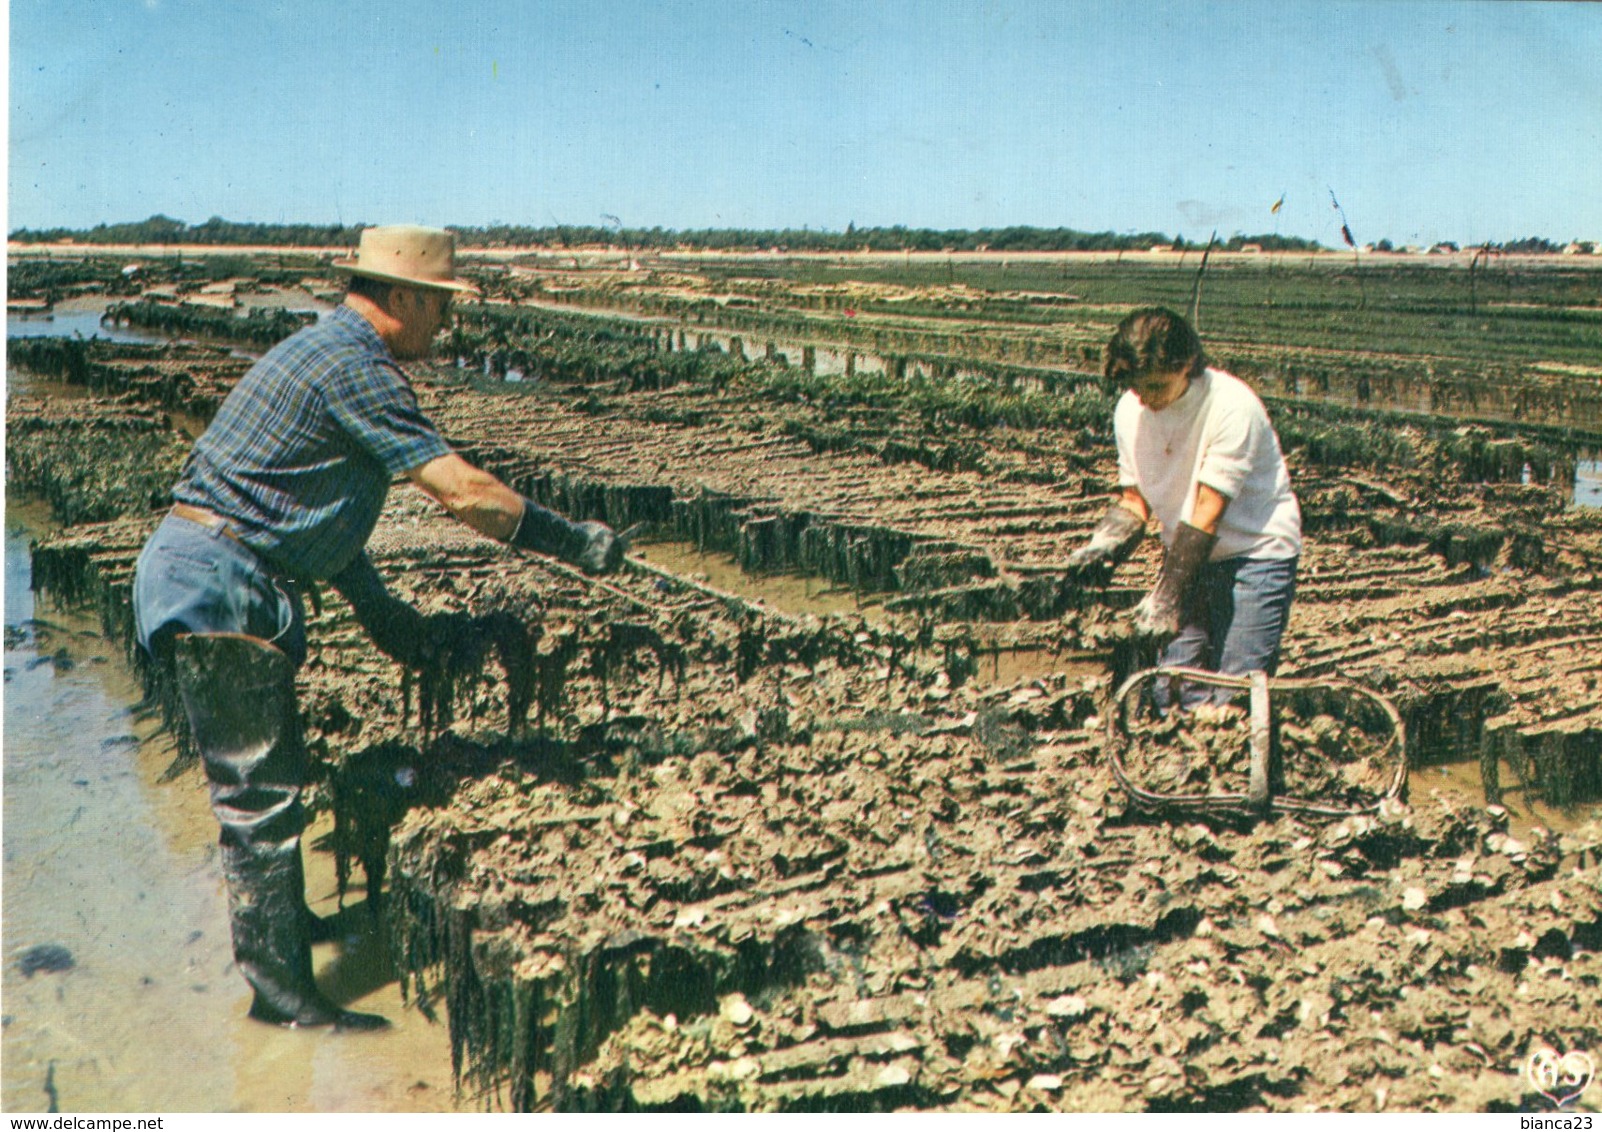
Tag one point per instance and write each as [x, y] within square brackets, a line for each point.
[1258, 798]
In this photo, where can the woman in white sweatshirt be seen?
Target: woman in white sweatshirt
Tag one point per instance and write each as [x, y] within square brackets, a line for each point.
[1196, 451]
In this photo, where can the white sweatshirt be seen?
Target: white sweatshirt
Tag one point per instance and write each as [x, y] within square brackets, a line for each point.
[1217, 433]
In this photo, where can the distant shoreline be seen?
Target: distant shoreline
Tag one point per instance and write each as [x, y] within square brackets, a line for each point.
[598, 254]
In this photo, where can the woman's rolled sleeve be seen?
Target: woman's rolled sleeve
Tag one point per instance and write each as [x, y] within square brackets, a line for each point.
[1226, 458]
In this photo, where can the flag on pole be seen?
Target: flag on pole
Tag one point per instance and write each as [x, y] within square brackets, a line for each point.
[1346, 231]
[1278, 203]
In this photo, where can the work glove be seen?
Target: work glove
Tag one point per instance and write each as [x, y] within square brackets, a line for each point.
[401, 632]
[1113, 540]
[1157, 616]
[593, 547]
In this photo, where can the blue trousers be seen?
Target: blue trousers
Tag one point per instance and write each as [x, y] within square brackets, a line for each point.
[192, 579]
[1234, 619]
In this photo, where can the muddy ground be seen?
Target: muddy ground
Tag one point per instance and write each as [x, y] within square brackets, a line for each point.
[683, 849]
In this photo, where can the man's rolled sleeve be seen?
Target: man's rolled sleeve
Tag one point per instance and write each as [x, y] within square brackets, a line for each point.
[374, 404]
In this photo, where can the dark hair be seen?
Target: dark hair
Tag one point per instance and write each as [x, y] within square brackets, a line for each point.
[1153, 340]
[378, 290]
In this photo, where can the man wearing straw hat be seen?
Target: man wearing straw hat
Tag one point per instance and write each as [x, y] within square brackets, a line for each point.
[285, 486]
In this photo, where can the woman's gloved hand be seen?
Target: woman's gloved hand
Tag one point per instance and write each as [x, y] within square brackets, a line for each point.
[1114, 538]
[1157, 617]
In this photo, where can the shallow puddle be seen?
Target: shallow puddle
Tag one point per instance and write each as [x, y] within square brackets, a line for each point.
[1588, 483]
[1462, 784]
[1003, 667]
[120, 869]
[793, 594]
[76, 319]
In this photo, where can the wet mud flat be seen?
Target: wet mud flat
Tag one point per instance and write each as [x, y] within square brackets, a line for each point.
[679, 850]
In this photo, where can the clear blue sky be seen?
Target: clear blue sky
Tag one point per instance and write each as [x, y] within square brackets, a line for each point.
[1429, 120]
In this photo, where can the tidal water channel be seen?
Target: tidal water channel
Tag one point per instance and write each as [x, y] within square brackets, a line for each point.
[114, 867]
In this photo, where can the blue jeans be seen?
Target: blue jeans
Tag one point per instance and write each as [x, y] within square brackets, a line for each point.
[192, 579]
[1233, 621]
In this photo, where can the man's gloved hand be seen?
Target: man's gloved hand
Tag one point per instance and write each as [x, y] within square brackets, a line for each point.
[1157, 617]
[450, 642]
[400, 631]
[593, 547]
[1118, 533]
[605, 550]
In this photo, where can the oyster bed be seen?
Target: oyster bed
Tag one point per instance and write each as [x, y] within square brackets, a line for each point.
[699, 853]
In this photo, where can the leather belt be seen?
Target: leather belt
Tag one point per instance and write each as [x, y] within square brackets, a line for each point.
[208, 519]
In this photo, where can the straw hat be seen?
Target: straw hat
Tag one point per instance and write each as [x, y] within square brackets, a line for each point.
[408, 254]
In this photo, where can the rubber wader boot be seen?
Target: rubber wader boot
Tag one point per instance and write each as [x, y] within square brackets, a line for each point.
[239, 693]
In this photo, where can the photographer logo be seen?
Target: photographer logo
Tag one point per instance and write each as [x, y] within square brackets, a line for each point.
[1560, 1078]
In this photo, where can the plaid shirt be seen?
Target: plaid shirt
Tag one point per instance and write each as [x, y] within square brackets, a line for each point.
[302, 452]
